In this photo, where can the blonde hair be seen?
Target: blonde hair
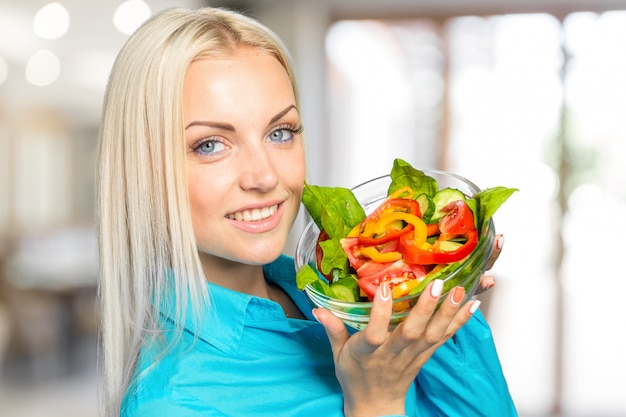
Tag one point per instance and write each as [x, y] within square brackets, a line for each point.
[146, 239]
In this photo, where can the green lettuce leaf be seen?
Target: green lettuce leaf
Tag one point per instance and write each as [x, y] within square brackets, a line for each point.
[489, 201]
[333, 209]
[403, 175]
[308, 275]
[334, 256]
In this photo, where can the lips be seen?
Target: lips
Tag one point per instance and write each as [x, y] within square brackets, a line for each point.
[254, 215]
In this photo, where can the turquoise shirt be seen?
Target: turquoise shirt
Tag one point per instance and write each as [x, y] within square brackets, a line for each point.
[248, 359]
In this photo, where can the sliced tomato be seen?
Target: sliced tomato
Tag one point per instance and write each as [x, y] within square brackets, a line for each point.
[372, 274]
[458, 220]
[350, 246]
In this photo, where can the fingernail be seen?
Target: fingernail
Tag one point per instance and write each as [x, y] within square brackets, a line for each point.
[457, 295]
[384, 293]
[500, 242]
[436, 288]
[315, 315]
[474, 306]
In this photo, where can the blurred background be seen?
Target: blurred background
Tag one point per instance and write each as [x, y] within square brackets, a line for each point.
[528, 94]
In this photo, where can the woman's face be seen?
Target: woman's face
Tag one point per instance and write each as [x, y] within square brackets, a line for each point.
[245, 157]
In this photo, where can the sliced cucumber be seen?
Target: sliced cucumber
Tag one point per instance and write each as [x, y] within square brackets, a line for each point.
[427, 206]
[443, 198]
[346, 289]
[449, 245]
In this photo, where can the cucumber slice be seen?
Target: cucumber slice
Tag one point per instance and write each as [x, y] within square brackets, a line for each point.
[346, 289]
[449, 245]
[443, 198]
[427, 206]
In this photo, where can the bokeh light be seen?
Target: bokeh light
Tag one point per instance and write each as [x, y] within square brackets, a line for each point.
[130, 14]
[43, 68]
[52, 21]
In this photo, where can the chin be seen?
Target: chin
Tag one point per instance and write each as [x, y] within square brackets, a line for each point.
[266, 258]
[266, 254]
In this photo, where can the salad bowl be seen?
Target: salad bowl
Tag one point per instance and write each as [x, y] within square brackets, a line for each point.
[370, 195]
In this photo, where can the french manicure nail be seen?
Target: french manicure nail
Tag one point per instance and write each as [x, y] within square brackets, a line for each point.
[436, 288]
[384, 292]
[315, 315]
[500, 242]
[474, 306]
[457, 295]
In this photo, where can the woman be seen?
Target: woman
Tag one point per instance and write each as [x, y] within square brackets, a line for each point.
[200, 174]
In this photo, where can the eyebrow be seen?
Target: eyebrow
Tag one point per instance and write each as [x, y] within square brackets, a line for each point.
[228, 126]
[282, 113]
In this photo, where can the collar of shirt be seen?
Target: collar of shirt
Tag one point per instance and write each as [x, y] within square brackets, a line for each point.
[230, 312]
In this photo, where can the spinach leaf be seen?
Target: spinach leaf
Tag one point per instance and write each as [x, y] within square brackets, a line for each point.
[333, 209]
[403, 175]
[308, 275]
[489, 201]
[334, 256]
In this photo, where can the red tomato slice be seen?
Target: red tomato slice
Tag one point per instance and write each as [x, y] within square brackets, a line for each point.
[350, 246]
[372, 274]
[458, 220]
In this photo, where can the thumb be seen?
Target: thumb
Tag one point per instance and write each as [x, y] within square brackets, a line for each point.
[335, 329]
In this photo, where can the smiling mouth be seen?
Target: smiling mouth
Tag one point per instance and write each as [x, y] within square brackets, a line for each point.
[254, 215]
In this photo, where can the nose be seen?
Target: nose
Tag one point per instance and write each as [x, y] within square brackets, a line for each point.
[258, 171]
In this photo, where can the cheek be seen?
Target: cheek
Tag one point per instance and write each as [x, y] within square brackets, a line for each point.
[202, 202]
[294, 174]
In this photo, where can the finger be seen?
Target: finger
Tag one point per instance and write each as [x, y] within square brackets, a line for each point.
[486, 283]
[439, 326]
[461, 317]
[426, 303]
[413, 328]
[335, 329]
[377, 330]
[497, 249]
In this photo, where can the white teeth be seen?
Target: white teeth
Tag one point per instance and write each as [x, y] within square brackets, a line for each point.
[254, 214]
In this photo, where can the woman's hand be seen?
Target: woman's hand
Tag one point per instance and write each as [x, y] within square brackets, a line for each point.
[375, 367]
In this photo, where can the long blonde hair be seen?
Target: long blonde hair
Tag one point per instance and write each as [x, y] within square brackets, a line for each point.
[146, 239]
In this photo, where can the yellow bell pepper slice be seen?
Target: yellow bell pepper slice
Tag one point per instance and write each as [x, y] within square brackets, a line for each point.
[404, 288]
[376, 256]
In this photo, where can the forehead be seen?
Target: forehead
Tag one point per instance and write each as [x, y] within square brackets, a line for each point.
[245, 75]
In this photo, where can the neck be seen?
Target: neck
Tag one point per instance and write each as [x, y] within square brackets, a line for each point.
[247, 279]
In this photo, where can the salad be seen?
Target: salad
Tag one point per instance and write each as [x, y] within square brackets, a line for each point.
[417, 233]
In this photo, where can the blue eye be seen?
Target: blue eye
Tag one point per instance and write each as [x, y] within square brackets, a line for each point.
[280, 135]
[284, 134]
[209, 147]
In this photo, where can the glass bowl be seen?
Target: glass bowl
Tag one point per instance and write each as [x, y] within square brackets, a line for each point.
[370, 194]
